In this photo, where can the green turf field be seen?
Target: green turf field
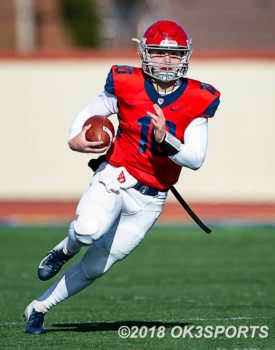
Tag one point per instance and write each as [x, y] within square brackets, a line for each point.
[176, 279]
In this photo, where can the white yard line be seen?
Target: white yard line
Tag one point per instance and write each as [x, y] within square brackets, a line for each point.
[140, 321]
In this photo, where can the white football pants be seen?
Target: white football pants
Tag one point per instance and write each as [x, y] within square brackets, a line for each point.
[113, 223]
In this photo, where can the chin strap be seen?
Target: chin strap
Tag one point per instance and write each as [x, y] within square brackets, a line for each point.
[95, 163]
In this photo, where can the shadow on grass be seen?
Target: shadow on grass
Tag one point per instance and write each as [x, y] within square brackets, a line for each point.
[110, 326]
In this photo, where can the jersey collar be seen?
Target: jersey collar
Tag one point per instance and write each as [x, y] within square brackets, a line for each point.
[163, 100]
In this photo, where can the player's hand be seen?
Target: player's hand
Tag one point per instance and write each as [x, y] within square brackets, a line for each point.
[158, 121]
[80, 144]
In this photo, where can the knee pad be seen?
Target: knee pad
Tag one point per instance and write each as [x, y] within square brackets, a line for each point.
[87, 230]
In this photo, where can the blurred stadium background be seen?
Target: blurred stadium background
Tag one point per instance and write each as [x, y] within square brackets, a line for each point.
[54, 59]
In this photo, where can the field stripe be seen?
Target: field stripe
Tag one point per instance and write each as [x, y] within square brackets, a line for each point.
[20, 213]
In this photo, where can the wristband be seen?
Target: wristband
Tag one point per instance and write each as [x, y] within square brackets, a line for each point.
[170, 145]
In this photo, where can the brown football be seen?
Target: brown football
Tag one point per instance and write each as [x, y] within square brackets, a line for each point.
[101, 129]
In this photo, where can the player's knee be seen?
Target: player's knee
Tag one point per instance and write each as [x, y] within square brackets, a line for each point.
[106, 261]
[98, 260]
[94, 261]
[87, 230]
[116, 255]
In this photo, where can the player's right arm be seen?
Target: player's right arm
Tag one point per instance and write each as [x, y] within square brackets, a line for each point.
[80, 144]
[105, 104]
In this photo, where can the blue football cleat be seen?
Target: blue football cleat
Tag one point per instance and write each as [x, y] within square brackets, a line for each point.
[52, 263]
[35, 320]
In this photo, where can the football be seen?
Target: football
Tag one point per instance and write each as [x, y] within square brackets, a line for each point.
[101, 129]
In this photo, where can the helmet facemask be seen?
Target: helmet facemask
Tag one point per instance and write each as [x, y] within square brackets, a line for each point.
[165, 71]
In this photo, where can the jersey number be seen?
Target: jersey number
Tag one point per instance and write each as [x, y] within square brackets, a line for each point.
[144, 134]
[145, 123]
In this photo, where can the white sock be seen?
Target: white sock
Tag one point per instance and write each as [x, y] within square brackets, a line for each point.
[71, 282]
[40, 306]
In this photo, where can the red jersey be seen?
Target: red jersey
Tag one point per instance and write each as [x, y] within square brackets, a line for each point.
[135, 147]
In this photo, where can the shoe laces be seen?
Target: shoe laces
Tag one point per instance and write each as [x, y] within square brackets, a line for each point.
[57, 258]
[36, 319]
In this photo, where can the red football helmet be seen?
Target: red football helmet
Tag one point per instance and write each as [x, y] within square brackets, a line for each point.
[168, 36]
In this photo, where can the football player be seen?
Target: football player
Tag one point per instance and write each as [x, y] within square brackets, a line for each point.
[163, 119]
